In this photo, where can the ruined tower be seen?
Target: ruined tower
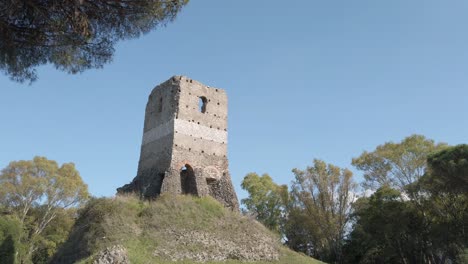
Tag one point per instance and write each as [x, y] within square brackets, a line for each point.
[184, 148]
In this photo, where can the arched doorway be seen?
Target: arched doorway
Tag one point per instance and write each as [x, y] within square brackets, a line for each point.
[187, 180]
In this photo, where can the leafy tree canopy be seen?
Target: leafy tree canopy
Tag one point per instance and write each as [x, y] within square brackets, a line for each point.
[319, 213]
[73, 35]
[266, 199]
[396, 164]
[37, 192]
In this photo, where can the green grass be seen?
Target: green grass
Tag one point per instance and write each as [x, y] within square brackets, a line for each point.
[167, 225]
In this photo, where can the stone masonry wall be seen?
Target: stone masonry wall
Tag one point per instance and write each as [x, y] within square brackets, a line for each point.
[185, 143]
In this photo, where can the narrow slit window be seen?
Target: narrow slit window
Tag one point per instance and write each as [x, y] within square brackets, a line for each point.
[160, 105]
[202, 102]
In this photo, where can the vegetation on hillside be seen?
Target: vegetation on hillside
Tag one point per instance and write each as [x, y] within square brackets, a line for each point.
[313, 216]
[417, 212]
[171, 228]
[412, 208]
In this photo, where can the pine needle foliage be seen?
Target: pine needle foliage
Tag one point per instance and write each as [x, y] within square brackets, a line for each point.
[73, 35]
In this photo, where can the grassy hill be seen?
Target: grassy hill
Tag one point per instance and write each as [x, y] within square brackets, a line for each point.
[173, 229]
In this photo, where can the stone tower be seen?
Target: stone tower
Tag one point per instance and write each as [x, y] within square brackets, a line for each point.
[184, 144]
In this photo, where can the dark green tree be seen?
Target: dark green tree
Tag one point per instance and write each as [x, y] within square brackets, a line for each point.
[387, 230]
[445, 189]
[73, 35]
[10, 230]
[431, 227]
[448, 169]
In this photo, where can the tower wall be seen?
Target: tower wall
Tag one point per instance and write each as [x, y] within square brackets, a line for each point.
[184, 148]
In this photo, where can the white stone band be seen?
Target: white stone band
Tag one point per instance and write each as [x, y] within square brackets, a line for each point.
[187, 128]
[200, 131]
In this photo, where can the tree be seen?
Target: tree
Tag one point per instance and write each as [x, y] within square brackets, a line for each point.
[266, 199]
[445, 199]
[9, 235]
[73, 35]
[54, 235]
[448, 169]
[320, 209]
[428, 228]
[396, 164]
[36, 191]
[390, 229]
[386, 230]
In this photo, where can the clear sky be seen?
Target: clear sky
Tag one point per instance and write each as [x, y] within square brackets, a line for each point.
[305, 79]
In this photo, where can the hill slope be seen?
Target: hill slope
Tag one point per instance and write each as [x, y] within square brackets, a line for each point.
[173, 228]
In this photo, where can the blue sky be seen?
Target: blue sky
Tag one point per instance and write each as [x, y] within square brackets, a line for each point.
[305, 79]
